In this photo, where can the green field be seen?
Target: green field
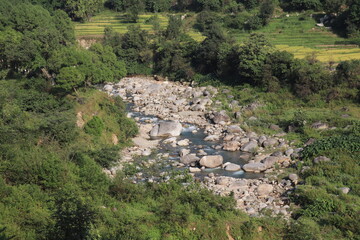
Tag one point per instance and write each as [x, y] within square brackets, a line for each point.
[297, 34]
[95, 27]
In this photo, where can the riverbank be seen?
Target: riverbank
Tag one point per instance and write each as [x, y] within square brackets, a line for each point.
[266, 157]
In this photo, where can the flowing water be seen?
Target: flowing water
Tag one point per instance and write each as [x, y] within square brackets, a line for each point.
[196, 143]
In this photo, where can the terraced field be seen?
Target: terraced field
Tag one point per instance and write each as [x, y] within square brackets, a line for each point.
[96, 26]
[297, 34]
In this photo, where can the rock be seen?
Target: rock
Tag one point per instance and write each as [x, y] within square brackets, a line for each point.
[222, 181]
[310, 141]
[294, 177]
[184, 152]
[232, 167]
[254, 167]
[164, 129]
[245, 156]
[228, 137]
[264, 189]
[218, 117]
[237, 115]
[146, 152]
[184, 142]
[108, 88]
[275, 127]
[202, 153]
[234, 129]
[321, 159]
[344, 190]
[271, 142]
[249, 147]
[231, 146]
[212, 138]
[262, 139]
[211, 161]
[319, 125]
[194, 169]
[270, 161]
[188, 159]
[170, 140]
[289, 152]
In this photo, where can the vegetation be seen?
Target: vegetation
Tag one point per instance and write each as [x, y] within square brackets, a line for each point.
[58, 132]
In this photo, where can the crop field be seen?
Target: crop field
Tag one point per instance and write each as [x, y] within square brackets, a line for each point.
[297, 34]
[95, 27]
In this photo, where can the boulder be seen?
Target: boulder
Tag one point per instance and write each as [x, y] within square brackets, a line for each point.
[294, 177]
[108, 88]
[271, 142]
[319, 125]
[249, 147]
[245, 156]
[232, 167]
[270, 161]
[194, 169]
[164, 129]
[218, 117]
[211, 161]
[254, 167]
[188, 159]
[234, 129]
[212, 138]
[231, 146]
[274, 127]
[344, 190]
[184, 152]
[264, 190]
[321, 159]
[184, 142]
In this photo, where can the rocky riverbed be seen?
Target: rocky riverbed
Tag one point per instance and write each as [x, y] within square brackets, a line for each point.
[213, 146]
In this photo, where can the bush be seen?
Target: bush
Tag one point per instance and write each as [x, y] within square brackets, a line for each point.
[95, 126]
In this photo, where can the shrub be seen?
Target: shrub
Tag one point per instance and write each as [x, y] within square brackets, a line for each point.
[95, 126]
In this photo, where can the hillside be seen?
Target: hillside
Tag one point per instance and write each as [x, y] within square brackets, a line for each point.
[295, 33]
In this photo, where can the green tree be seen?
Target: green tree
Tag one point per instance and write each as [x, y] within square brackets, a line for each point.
[82, 9]
[69, 79]
[251, 56]
[173, 30]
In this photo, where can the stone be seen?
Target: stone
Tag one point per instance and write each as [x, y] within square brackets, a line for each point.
[319, 126]
[212, 138]
[250, 146]
[294, 177]
[262, 139]
[218, 117]
[321, 159]
[254, 167]
[270, 142]
[222, 181]
[231, 146]
[184, 142]
[228, 137]
[232, 167]
[289, 152]
[234, 129]
[201, 153]
[164, 129]
[188, 159]
[264, 189]
[344, 190]
[274, 127]
[184, 152]
[194, 169]
[270, 161]
[108, 88]
[211, 161]
[146, 152]
[245, 156]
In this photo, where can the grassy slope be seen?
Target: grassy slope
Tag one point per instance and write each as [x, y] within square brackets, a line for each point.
[300, 37]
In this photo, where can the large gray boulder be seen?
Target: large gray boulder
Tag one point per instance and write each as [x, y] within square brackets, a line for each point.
[166, 129]
[188, 159]
[250, 146]
[271, 142]
[211, 161]
[254, 167]
[232, 167]
[218, 117]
